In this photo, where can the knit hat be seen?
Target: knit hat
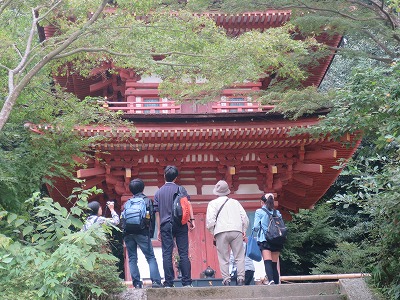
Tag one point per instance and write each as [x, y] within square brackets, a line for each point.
[221, 188]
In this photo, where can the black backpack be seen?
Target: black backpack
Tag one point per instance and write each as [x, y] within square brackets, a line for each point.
[276, 232]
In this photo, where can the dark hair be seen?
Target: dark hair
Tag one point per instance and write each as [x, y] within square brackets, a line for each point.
[170, 173]
[94, 208]
[268, 199]
[136, 186]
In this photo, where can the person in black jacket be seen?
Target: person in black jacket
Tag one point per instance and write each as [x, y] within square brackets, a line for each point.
[143, 240]
[169, 230]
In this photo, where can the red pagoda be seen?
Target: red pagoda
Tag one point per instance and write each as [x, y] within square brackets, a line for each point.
[231, 138]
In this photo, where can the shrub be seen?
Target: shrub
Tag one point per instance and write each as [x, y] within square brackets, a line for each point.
[46, 256]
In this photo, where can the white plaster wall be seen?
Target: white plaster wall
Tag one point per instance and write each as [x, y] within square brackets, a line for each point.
[144, 266]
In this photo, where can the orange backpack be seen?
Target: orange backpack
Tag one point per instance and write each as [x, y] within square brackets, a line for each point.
[181, 207]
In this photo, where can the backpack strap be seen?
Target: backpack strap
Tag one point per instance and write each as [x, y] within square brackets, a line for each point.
[267, 212]
[274, 214]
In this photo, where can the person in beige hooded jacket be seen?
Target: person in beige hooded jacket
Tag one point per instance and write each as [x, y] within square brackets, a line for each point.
[227, 221]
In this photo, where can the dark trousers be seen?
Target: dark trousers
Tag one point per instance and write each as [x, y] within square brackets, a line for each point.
[248, 277]
[170, 231]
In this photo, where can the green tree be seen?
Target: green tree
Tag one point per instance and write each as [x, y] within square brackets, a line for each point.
[192, 47]
[369, 104]
[311, 233]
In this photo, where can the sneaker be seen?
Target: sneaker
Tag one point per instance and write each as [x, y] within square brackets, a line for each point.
[138, 285]
[240, 282]
[266, 282]
[156, 285]
[168, 286]
[227, 283]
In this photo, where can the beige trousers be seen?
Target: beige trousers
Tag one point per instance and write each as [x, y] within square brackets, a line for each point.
[225, 242]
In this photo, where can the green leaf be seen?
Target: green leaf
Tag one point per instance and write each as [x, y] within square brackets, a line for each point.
[11, 218]
[35, 237]
[76, 222]
[27, 230]
[88, 265]
[3, 214]
[7, 260]
[19, 222]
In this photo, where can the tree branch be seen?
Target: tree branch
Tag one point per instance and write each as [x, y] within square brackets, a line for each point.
[28, 44]
[175, 65]
[43, 16]
[374, 57]
[337, 12]
[4, 67]
[378, 42]
[4, 5]
[381, 10]
[304, 6]
[105, 50]
[14, 91]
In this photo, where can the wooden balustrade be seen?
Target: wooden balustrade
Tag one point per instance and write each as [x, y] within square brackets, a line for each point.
[169, 107]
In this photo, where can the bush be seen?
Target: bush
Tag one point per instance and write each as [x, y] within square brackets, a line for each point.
[46, 256]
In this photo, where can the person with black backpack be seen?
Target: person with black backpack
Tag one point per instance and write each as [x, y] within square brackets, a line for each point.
[138, 223]
[270, 249]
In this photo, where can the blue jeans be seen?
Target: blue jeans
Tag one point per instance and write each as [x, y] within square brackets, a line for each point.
[170, 231]
[144, 243]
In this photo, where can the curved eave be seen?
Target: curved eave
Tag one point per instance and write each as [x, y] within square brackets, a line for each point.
[254, 134]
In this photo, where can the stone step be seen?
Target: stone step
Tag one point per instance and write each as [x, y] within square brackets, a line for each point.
[295, 291]
[314, 297]
[246, 292]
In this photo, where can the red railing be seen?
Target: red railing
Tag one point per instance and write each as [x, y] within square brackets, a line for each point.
[169, 107]
[143, 107]
[143, 98]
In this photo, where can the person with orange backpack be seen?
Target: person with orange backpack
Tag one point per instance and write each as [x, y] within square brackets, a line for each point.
[170, 227]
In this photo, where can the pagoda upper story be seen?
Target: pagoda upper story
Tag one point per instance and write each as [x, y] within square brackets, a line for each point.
[123, 90]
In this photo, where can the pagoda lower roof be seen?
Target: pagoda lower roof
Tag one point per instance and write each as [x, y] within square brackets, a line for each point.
[207, 135]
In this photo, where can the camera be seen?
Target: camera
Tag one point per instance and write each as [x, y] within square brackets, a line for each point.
[110, 202]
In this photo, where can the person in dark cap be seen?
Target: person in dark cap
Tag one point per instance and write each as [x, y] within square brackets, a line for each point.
[95, 215]
[142, 239]
[227, 221]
